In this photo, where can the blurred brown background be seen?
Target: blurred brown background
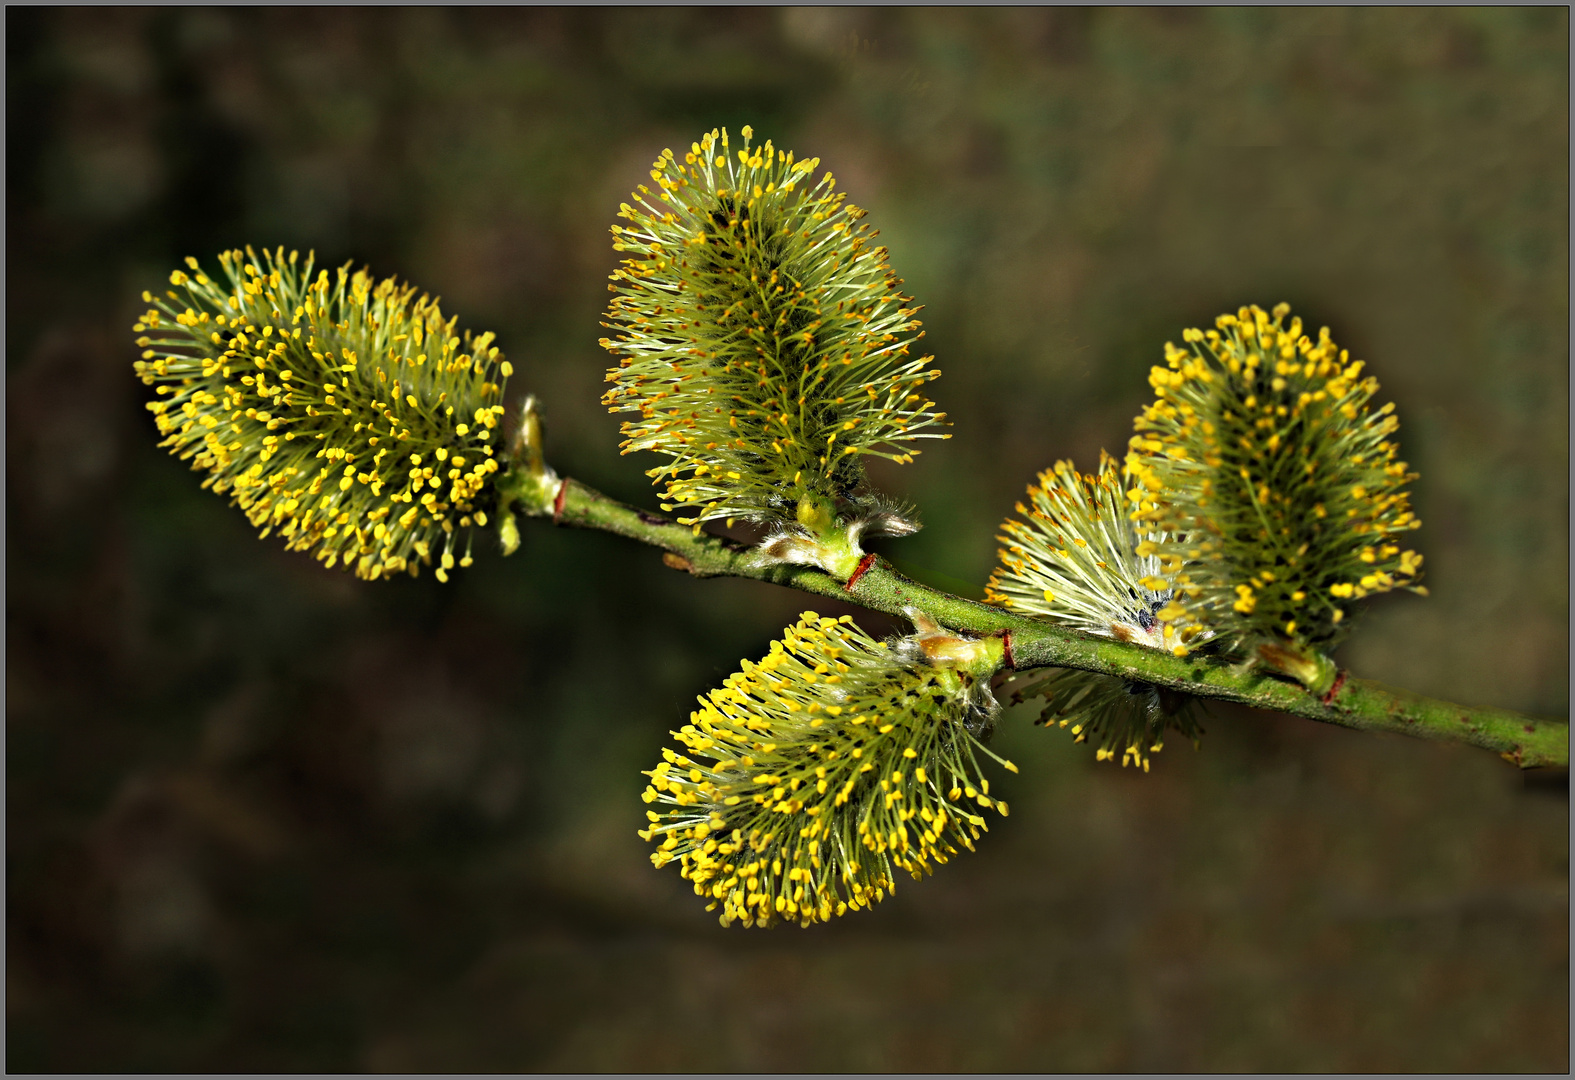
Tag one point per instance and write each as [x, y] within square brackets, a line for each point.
[264, 817]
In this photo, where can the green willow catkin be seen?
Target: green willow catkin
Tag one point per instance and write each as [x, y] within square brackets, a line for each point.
[763, 340]
[344, 413]
[1276, 486]
[1072, 558]
[808, 779]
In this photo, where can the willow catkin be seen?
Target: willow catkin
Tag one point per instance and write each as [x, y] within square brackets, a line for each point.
[344, 413]
[763, 341]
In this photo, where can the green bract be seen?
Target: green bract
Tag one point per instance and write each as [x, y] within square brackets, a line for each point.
[345, 414]
[764, 341]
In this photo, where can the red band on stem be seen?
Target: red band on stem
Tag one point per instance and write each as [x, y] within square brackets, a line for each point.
[1006, 640]
[557, 501]
[1339, 681]
[858, 571]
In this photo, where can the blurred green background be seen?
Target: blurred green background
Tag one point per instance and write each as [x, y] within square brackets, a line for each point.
[264, 817]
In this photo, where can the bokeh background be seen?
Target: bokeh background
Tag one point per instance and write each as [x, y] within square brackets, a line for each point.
[261, 816]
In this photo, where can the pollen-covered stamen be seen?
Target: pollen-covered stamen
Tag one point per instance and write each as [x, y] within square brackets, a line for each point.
[1074, 557]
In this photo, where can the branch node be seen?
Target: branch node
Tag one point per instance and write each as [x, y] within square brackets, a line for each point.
[858, 571]
[677, 562]
[1334, 687]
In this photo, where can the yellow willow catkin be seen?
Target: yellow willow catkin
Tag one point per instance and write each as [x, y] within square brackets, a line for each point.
[807, 780]
[1276, 484]
[342, 412]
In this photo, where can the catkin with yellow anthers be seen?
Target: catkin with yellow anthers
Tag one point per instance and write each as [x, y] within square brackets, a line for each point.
[1276, 481]
[1074, 557]
[1124, 720]
[344, 413]
[805, 782]
[763, 339]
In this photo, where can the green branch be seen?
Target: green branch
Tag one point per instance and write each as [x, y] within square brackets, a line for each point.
[1353, 703]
